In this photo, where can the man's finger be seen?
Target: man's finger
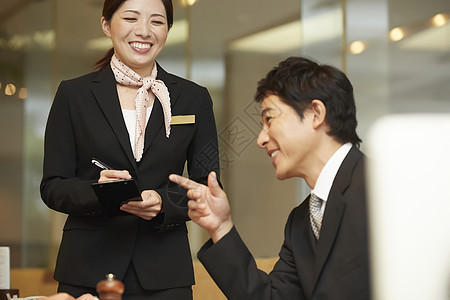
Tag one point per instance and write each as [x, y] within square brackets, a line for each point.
[194, 205]
[184, 182]
[194, 194]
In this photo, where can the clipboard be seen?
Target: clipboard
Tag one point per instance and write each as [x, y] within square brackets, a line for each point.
[113, 194]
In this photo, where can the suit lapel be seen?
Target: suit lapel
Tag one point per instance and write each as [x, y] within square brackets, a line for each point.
[156, 121]
[335, 209]
[105, 92]
[305, 244]
[332, 220]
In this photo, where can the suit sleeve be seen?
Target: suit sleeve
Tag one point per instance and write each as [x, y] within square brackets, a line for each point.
[203, 153]
[202, 158]
[233, 268]
[61, 189]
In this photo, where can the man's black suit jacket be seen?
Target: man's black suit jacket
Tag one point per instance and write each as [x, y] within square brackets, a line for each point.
[336, 267]
[86, 121]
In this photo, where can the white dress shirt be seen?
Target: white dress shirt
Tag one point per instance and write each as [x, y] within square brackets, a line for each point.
[328, 173]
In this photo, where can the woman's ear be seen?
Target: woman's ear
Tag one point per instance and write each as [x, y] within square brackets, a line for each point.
[320, 111]
[105, 27]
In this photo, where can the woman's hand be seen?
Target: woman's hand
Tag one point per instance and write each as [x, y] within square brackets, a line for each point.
[146, 209]
[113, 175]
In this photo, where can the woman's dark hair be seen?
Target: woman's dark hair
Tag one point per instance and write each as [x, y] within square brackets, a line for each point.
[109, 8]
[298, 81]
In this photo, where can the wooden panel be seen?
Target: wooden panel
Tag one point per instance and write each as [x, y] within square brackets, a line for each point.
[40, 282]
[33, 282]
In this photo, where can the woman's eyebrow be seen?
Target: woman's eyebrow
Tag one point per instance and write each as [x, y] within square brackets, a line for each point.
[132, 11]
[138, 12]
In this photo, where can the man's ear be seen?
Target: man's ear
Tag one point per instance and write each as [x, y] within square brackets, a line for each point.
[320, 111]
[105, 27]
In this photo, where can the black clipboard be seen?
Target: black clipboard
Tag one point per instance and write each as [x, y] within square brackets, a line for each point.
[113, 194]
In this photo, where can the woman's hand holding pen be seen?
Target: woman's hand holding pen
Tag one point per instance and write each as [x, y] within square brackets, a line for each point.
[113, 175]
[146, 209]
[108, 173]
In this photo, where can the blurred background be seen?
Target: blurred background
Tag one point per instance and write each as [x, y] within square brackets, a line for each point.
[395, 52]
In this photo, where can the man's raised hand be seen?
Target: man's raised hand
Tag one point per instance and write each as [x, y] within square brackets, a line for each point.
[208, 205]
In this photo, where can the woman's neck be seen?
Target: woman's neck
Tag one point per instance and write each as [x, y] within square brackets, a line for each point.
[144, 71]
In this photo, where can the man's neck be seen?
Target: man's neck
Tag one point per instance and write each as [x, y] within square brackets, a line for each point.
[323, 154]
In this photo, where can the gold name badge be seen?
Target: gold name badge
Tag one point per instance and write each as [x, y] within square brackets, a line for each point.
[186, 119]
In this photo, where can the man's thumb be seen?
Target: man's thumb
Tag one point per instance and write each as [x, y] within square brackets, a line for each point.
[213, 184]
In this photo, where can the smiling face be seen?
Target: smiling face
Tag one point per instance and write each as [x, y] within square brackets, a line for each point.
[138, 31]
[288, 140]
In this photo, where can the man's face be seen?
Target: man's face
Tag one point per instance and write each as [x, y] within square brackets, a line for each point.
[289, 141]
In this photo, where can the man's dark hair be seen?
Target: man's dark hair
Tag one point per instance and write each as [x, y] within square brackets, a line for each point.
[298, 81]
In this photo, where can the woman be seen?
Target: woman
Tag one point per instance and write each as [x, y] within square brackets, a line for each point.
[127, 114]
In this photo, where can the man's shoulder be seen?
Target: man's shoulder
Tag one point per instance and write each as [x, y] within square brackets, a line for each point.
[299, 212]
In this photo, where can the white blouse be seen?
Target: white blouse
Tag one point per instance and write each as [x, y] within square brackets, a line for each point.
[130, 120]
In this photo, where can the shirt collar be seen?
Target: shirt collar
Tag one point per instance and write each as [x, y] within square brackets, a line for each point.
[329, 171]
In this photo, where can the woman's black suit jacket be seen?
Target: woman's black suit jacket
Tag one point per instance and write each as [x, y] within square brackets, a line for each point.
[86, 121]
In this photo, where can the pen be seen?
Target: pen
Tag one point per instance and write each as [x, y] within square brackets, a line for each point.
[100, 164]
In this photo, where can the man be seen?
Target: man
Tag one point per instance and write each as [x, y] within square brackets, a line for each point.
[309, 130]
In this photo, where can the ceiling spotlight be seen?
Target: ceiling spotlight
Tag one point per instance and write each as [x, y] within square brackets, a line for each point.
[23, 93]
[357, 47]
[439, 20]
[10, 89]
[396, 34]
[189, 2]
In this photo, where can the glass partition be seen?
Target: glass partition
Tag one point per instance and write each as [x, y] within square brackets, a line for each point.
[396, 53]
